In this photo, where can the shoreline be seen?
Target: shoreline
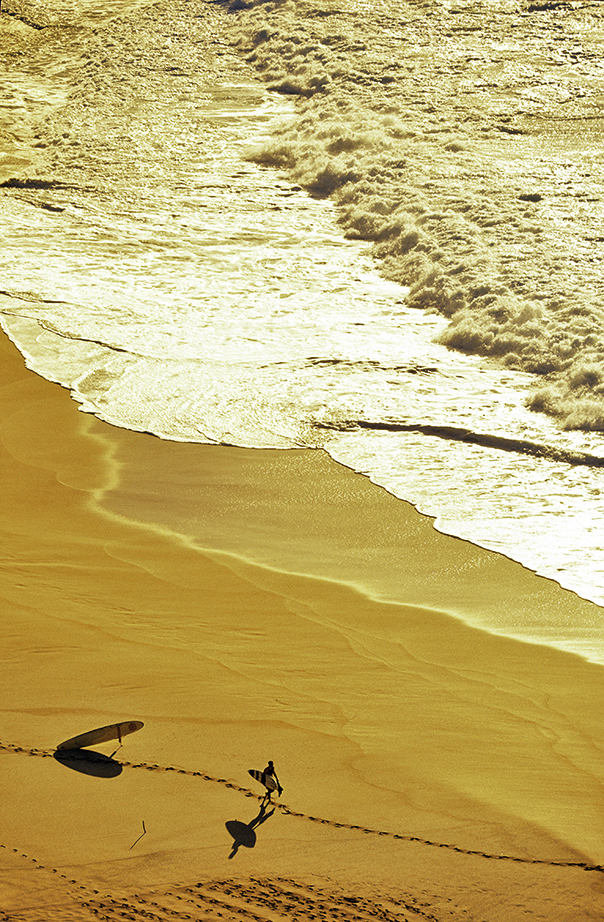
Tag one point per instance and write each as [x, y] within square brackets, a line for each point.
[389, 716]
[341, 527]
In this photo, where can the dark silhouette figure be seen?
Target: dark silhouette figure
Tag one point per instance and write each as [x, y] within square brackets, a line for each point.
[270, 770]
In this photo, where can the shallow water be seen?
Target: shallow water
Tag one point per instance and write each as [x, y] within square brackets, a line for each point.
[165, 261]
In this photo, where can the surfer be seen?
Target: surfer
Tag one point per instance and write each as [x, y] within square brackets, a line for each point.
[270, 770]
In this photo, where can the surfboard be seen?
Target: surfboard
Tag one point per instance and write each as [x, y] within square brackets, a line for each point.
[267, 780]
[102, 735]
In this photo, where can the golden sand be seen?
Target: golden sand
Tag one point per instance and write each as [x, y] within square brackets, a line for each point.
[253, 605]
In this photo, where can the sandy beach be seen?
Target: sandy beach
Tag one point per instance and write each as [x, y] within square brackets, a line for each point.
[263, 605]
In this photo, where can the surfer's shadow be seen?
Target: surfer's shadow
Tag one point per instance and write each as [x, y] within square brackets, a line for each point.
[244, 833]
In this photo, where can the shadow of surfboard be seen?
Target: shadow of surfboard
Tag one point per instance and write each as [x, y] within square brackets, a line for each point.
[89, 762]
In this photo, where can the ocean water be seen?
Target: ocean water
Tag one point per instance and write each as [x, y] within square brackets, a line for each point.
[373, 228]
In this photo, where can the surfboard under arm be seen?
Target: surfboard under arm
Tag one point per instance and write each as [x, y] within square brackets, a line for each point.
[267, 780]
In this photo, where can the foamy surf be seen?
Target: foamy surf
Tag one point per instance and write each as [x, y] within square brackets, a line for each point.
[188, 248]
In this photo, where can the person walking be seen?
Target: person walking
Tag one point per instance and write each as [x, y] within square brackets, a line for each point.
[270, 770]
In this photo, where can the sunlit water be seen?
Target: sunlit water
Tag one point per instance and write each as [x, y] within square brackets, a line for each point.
[163, 259]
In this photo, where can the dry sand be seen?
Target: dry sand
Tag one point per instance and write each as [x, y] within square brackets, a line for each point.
[431, 770]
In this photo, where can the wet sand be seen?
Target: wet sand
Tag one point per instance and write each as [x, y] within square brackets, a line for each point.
[430, 769]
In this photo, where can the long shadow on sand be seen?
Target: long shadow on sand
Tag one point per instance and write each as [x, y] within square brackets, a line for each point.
[244, 833]
[89, 762]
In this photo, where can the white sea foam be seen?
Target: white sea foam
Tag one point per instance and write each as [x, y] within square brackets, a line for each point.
[158, 265]
[465, 140]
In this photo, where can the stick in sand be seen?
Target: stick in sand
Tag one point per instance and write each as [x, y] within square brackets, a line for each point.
[139, 838]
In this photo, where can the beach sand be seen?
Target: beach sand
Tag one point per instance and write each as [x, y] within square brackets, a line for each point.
[254, 605]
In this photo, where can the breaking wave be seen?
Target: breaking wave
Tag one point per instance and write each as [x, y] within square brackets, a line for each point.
[467, 149]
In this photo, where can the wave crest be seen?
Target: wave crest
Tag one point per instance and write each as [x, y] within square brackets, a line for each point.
[456, 203]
